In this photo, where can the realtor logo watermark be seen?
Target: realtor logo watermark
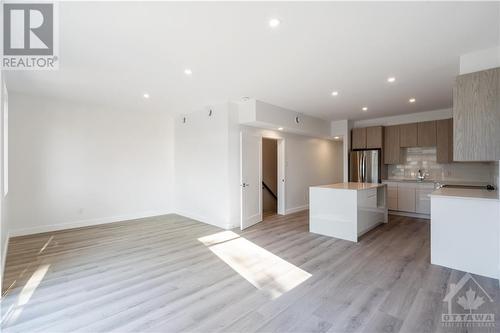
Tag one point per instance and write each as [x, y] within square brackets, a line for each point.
[30, 36]
[468, 305]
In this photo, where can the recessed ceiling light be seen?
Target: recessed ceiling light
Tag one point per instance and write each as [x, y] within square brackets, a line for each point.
[335, 93]
[273, 23]
[245, 98]
[365, 108]
[336, 137]
[280, 128]
[412, 100]
[188, 71]
[145, 95]
[391, 79]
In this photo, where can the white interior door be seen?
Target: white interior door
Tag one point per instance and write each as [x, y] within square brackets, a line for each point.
[281, 177]
[250, 179]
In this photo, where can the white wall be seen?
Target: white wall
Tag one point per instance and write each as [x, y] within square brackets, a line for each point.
[202, 166]
[342, 129]
[73, 165]
[308, 161]
[480, 60]
[405, 118]
[264, 115]
[207, 165]
[4, 223]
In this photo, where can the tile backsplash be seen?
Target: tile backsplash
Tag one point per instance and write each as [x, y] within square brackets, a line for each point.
[424, 158]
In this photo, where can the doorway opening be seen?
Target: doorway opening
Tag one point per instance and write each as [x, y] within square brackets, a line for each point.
[269, 178]
[272, 177]
[254, 187]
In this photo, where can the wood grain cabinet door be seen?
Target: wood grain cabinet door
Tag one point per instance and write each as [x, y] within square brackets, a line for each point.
[476, 116]
[392, 196]
[406, 198]
[426, 134]
[392, 150]
[374, 137]
[358, 138]
[444, 138]
[408, 135]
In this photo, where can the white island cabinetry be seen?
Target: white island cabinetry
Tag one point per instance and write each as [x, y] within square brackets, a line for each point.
[347, 210]
[465, 230]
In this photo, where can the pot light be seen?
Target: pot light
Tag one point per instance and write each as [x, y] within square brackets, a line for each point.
[280, 128]
[412, 100]
[274, 23]
[364, 108]
[391, 79]
[335, 93]
[188, 71]
[145, 95]
[336, 137]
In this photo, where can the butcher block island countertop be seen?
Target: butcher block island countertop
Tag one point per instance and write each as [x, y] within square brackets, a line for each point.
[347, 210]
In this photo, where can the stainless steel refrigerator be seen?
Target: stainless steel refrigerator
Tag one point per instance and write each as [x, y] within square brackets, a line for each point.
[364, 166]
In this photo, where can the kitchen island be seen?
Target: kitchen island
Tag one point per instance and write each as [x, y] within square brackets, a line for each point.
[346, 210]
[465, 230]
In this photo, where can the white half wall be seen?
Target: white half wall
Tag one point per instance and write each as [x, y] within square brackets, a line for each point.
[73, 165]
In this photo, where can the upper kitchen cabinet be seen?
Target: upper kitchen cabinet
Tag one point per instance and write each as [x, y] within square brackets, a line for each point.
[374, 137]
[444, 145]
[368, 137]
[358, 138]
[392, 151]
[408, 135]
[426, 134]
[476, 116]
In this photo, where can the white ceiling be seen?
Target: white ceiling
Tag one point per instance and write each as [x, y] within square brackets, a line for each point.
[111, 53]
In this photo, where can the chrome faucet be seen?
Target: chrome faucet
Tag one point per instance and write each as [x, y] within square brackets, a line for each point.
[420, 175]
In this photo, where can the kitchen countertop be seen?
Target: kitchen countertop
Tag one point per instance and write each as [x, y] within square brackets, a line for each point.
[351, 186]
[441, 181]
[410, 180]
[466, 193]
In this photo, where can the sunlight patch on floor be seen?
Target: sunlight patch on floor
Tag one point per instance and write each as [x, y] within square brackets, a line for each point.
[258, 266]
[25, 294]
[46, 244]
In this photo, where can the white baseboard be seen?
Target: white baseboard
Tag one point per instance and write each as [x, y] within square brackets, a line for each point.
[203, 219]
[85, 223]
[296, 209]
[416, 215]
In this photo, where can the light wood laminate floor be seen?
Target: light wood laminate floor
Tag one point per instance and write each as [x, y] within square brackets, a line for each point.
[171, 274]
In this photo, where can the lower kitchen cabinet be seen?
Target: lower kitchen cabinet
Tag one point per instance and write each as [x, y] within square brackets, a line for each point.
[392, 196]
[423, 199]
[406, 197]
[409, 197]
